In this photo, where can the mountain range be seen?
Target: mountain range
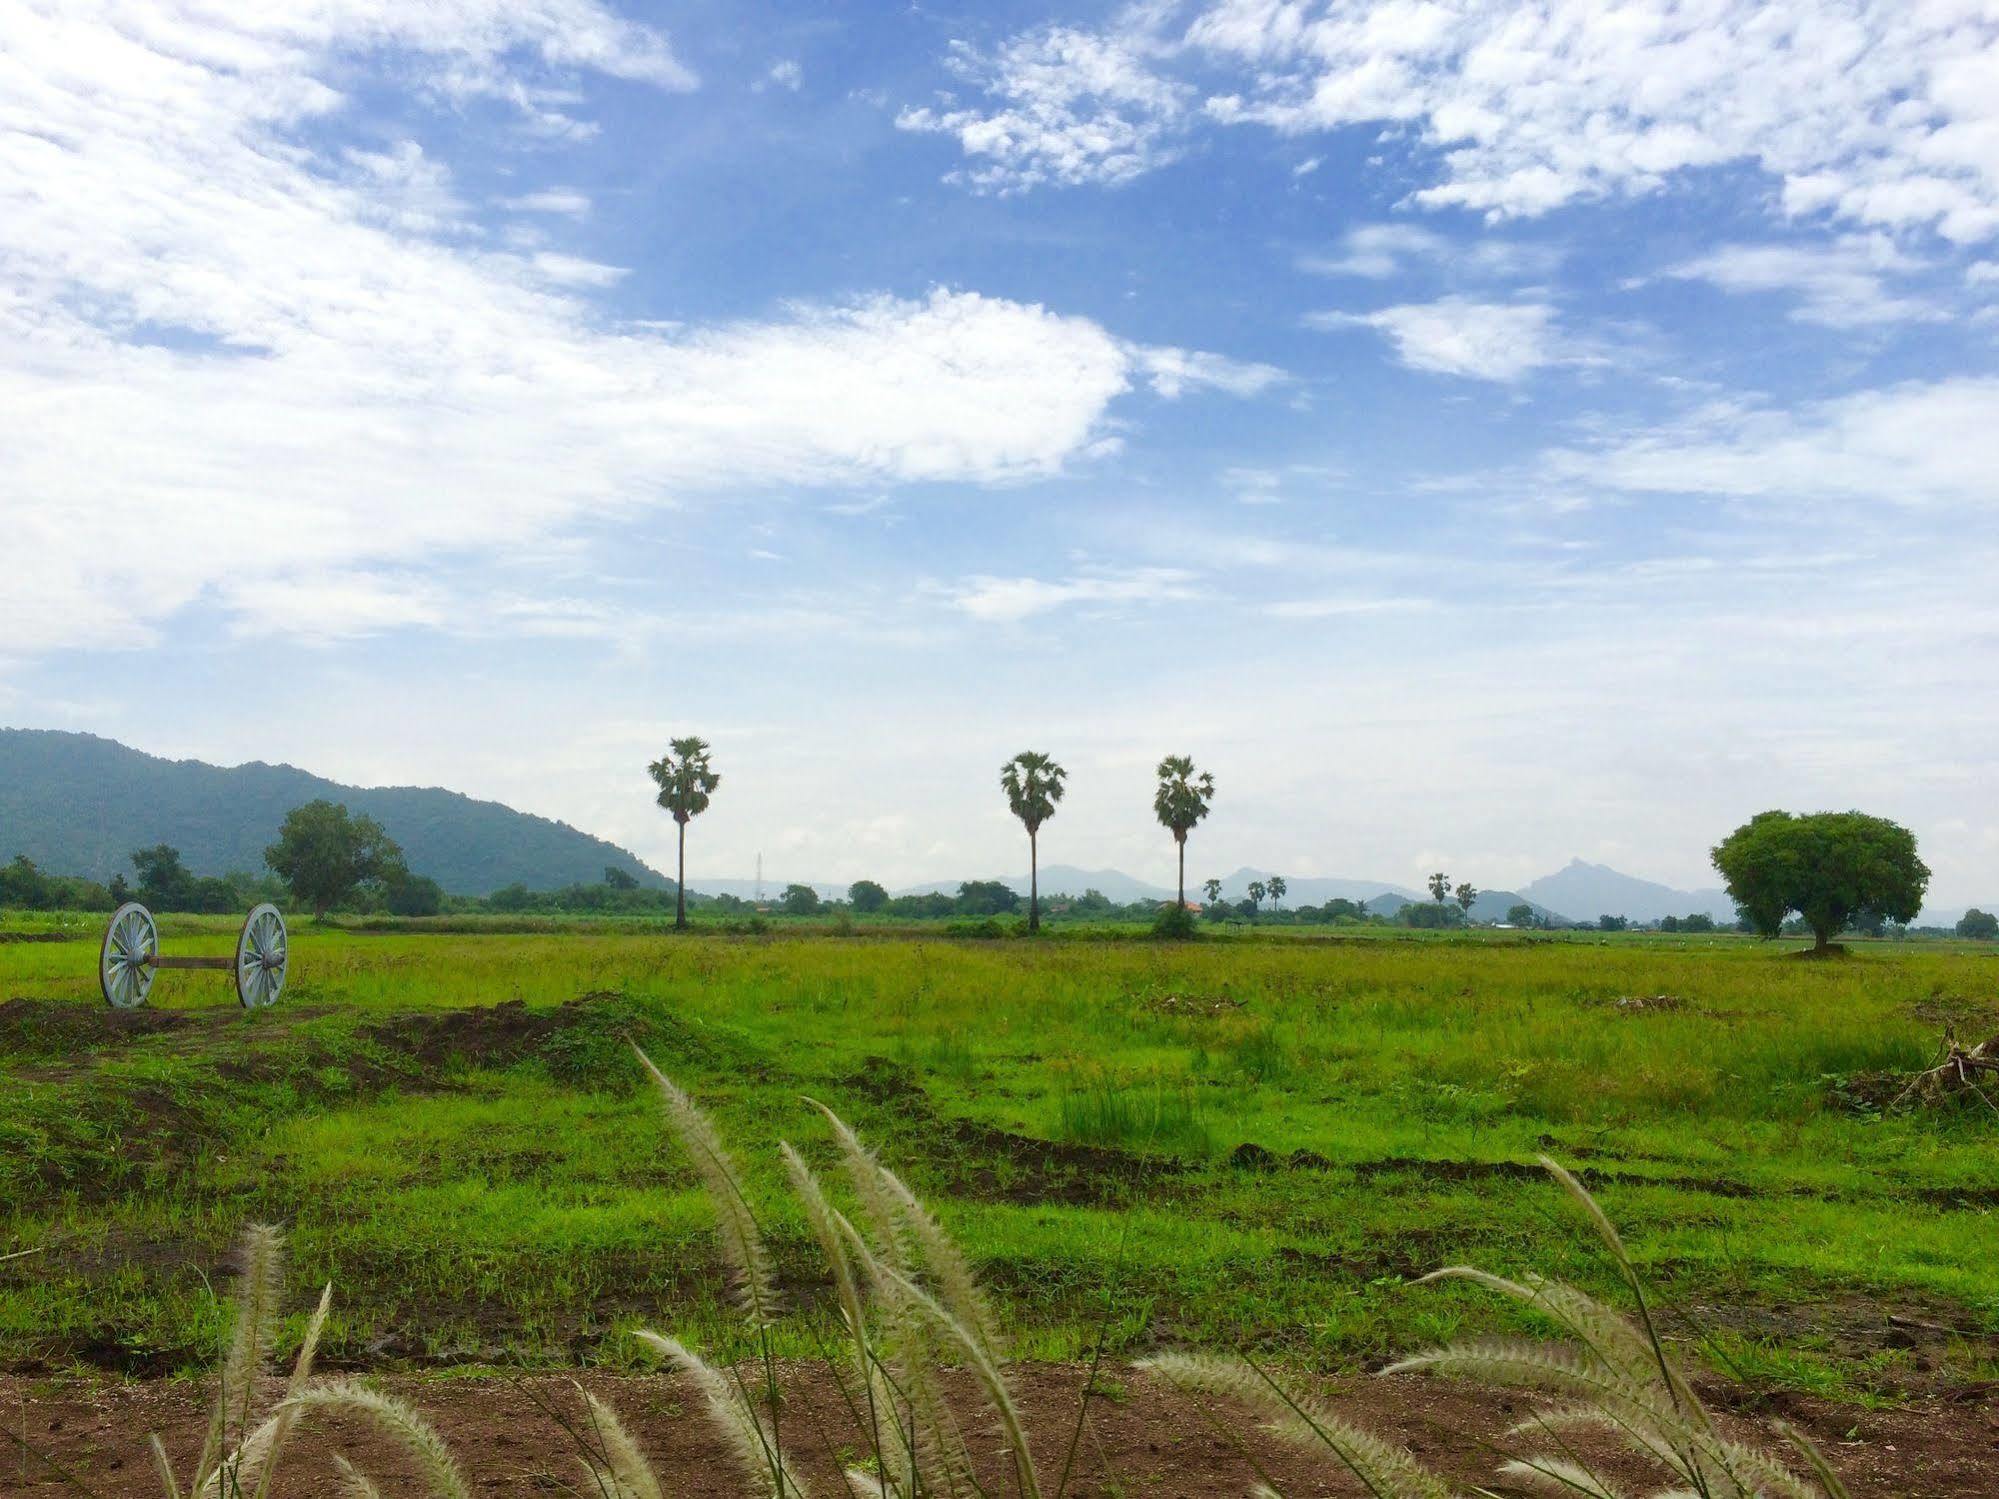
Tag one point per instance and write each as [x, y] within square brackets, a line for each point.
[78, 804]
[1587, 891]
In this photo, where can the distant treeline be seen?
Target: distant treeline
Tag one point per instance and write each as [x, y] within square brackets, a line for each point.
[163, 883]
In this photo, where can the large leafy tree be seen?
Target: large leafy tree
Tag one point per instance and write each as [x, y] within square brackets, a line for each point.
[1829, 867]
[1032, 782]
[165, 883]
[686, 781]
[866, 896]
[1181, 801]
[325, 855]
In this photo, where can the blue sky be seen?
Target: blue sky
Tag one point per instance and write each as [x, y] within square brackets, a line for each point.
[1482, 434]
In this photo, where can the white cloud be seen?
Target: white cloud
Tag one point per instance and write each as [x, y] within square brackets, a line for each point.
[1173, 372]
[572, 270]
[1882, 112]
[1009, 600]
[786, 74]
[1877, 112]
[1457, 336]
[1377, 252]
[1069, 107]
[558, 200]
[1916, 445]
[231, 370]
[1841, 284]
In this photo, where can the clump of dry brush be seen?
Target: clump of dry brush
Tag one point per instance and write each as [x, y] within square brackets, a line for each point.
[910, 1308]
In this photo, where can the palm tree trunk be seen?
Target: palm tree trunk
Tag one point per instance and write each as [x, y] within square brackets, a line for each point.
[1033, 884]
[1182, 844]
[680, 885]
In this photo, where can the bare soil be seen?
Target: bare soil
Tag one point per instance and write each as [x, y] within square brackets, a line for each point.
[88, 1435]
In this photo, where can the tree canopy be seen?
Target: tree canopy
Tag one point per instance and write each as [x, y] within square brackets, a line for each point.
[324, 854]
[1181, 800]
[1979, 926]
[1829, 867]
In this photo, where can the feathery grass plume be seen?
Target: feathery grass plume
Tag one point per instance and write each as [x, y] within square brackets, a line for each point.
[1557, 1475]
[939, 1460]
[1814, 1459]
[623, 1471]
[829, 1227]
[1383, 1469]
[258, 1287]
[742, 1242]
[269, 1439]
[354, 1484]
[169, 1485]
[911, 1235]
[732, 1415]
[982, 1364]
[878, 1208]
[1617, 1373]
[398, 1420]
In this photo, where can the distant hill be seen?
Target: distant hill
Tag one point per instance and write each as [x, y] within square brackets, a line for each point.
[1587, 891]
[1312, 889]
[78, 804]
[1063, 879]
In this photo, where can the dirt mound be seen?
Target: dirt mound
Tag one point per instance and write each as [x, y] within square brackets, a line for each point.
[981, 1160]
[59, 1028]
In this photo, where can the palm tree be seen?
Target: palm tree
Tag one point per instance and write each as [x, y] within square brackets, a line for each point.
[1180, 802]
[1440, 887]
[686, 780]
[1466, 894]
[1277, 889]
[1033, 785]
[1213, 889]
[1255, 892]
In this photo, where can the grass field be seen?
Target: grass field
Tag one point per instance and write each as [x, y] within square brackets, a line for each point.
[1235, 1142]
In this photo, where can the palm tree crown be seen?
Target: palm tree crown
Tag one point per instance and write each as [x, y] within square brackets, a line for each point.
[685, 778]
[1183, 796]
[1033, 785]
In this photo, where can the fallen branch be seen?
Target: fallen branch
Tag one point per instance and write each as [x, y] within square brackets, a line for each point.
[1954, 1074]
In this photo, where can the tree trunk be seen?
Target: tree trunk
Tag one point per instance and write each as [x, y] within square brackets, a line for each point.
[1033, 884]
[680, 885]
[1182, 844]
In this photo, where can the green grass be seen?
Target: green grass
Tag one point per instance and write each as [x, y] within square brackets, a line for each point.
[490, 1185]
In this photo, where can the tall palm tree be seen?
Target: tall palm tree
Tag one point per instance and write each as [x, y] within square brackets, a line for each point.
[1440, 886]
[686, 780]
[1180, 802]
[1277, 889]
[1214, 890]
[1033, 785]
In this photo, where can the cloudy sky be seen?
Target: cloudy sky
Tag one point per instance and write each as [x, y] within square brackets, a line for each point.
[1480, 433]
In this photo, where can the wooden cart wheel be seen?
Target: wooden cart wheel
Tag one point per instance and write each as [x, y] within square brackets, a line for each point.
[261, 957]
[125, 962]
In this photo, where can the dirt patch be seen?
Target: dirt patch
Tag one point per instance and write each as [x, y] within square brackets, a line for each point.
[979, 1160]
[1461, 1171]
[6, 937]
[55, 1028]
[1140, 1436]
[488, 1036]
